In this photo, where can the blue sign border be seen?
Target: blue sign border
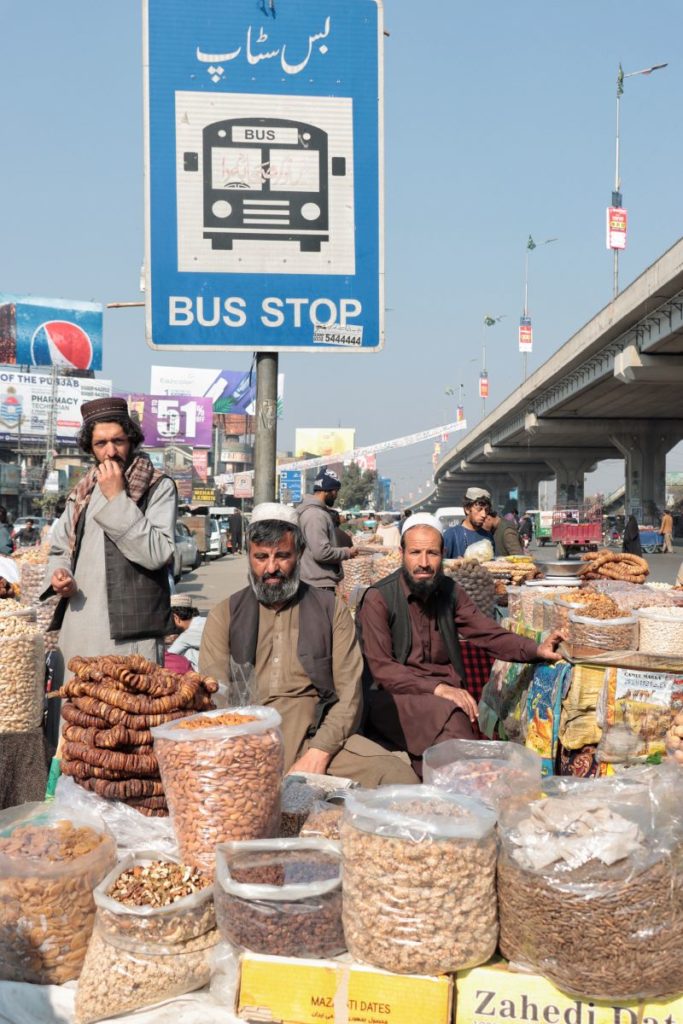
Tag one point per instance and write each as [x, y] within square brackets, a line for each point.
[176, 38]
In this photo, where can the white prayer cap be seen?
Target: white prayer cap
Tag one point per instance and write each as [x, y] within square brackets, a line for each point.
[272, 510]
[422, 519]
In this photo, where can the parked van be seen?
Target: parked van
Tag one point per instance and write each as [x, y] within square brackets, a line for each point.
[450, 515]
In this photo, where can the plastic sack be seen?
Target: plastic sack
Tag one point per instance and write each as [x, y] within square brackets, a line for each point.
[502, 699]
[481, 551]
[281, 897]
[590, 887]
[562, 608]
[674, 740]
[22, 669]
[298, 797]
[661, 631]
[131, 830]
[323, 821]
[634, 710]
[116, 980]
[594, 636]
[222, 772]
[50, 862]
[419, 879]
[152, 929]
[497, 773]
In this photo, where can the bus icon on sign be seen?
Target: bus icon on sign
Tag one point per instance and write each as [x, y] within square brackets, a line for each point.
[265, 179]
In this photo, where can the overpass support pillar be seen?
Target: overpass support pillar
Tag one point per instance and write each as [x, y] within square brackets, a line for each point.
[527, 481]
[644, 450]
[569, 478]
[500, 493]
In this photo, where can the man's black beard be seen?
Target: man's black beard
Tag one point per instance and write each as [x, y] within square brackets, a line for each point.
[269, 594]
[423, 589]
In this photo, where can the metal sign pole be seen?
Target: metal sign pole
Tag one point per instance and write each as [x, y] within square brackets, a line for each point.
[266, 427]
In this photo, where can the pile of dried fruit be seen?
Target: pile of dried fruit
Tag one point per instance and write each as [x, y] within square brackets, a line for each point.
[114, 702]
[614, 565]
[516, 570]
[478, 583]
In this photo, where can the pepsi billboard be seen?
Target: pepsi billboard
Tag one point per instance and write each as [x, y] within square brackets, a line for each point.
[50, 332]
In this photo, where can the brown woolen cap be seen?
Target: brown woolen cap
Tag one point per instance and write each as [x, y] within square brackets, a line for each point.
[103, 409]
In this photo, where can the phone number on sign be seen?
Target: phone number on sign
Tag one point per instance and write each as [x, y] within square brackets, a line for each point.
[332, 334]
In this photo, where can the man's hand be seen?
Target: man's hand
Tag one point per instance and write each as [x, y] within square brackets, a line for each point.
[63, 583]
[315, 761]
[110, 478]
[547, 651]
[461, 698]
[353, 552]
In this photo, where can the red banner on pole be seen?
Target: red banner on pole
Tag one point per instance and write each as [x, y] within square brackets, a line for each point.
[526, 334]
[617, 222]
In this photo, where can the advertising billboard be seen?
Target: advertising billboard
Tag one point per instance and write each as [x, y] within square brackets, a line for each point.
[50, 332]
[165, 420]
[231, 391]
[324, 441]
[28, 406]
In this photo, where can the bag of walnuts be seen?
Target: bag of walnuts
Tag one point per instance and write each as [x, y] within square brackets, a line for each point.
[590, 886]
[419, 890]
[50, 862]
[154, 931]
[222, 776]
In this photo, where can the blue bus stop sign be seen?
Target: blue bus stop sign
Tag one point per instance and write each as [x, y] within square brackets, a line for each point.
[264, 192]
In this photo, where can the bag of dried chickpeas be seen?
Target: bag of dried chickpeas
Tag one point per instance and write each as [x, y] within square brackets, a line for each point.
[419, 889]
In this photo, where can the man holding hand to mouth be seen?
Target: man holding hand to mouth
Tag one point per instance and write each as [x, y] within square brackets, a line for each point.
[111, 547]
[411, 623]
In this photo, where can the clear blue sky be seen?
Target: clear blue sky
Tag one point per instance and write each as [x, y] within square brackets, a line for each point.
[499, 123]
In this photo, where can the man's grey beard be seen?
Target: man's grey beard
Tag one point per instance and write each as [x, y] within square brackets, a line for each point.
[275, 593]
[423, 589]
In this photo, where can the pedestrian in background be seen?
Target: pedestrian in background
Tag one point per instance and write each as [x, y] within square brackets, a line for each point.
[457, 539]
[631, 542]
[235, 524]
[5, 533]
[322, 557]
[667, 529]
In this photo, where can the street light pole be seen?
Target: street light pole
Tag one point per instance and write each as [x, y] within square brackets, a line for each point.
[530, 246]
[617, 197]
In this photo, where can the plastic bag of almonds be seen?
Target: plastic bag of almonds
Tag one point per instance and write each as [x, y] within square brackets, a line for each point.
[419, 879]
[154, 901]
[500, 774]
[222, 775]
[323, 821]
[120, 978]
[281, 897]
[22, 671]
[590, 886]
[49, 865]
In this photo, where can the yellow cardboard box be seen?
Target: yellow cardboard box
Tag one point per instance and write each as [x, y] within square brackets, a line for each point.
[282, 991]
[494, 994]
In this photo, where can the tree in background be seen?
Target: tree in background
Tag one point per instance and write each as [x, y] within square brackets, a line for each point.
[356, 486]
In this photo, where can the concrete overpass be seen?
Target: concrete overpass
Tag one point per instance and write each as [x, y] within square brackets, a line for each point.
[613, 390]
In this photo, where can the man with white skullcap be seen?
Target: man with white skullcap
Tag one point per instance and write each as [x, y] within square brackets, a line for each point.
[296, 645]
[411, 625]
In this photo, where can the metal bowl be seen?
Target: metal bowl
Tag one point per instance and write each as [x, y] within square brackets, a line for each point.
[561, 568]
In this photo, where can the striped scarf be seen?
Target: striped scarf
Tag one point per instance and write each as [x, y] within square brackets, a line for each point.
[139, 477]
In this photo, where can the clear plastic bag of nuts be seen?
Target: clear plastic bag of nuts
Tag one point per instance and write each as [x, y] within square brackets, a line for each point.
[148, 918]
[281, 897]
[50, 862]
[419, 879]
[22, 669]
[222, 775]
[497, 773]
[590, 885]
[118, 979]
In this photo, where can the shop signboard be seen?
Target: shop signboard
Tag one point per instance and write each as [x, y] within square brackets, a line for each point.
[264, 175]
[231, 391]
[324, 441]
[291, 487]
[50, 332]
[203, 496]
[183, 481]
[31, 404]
[200, 463]
[180, 420]
[244, 485]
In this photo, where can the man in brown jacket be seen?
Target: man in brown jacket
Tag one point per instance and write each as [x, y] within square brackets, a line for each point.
[297, 645]
[412, 623]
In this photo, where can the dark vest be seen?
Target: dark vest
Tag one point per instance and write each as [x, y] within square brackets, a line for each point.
[399, 618]
[138, 599]
[314, 647]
